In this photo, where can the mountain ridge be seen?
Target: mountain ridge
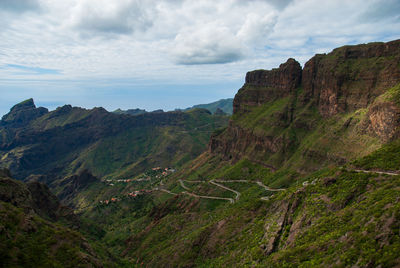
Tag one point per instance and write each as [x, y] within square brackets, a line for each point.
[70, 139]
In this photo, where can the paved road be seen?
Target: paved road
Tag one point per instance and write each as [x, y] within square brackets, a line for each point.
[269, 189]
[226, 188]
[204, 196]
[184, 186]
[217, 183]
[167, 191]
[231, 181]
[210, 197]
[379, 172]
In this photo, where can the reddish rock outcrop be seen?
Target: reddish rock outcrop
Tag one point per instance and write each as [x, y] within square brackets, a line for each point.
[351, 77]
[383, 120]
[262, 86]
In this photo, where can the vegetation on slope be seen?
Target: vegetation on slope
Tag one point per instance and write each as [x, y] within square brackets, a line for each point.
[327, 221]
[385, 158]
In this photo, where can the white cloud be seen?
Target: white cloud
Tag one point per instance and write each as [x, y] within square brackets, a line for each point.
[206, 45]
[257, 27]
[178, 41]
[116, 17]
[222, 32]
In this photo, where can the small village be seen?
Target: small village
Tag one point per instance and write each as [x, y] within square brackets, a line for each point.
[154, 173]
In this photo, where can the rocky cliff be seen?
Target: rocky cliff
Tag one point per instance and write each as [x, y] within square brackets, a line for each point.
[323, 109]
[262, 86]
[351, 77]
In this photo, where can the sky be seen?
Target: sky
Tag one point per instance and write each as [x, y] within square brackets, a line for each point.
[167, 54]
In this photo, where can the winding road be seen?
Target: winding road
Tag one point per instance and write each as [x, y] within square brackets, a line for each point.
[189, 192]
[226, 188]
[217, 183]
[378, 172]
[210, 197]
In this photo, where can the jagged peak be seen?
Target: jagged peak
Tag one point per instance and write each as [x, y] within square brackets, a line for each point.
[26, 104]
[265, 85]
[287, 76]
[23, 113]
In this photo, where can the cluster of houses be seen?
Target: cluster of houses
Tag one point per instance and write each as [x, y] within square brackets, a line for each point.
[131, 194]
[110, 182]
[139, 192]
[108, 201]
[162, 172]
[167, 170]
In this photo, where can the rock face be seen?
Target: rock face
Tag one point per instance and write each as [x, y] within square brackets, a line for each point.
[351, 77]
[296, 102]
[383, 120]
[23, 113]
[262, 86]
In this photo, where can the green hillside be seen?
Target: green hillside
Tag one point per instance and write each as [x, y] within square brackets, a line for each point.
[42, 234]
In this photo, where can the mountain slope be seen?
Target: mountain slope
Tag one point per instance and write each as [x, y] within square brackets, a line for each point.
[34, 229]
[289, 183]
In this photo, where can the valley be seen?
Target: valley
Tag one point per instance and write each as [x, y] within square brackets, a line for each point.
[305, 173]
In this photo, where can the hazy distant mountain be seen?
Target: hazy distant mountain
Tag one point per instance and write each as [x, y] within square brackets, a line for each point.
[130, 111]
[226, 105]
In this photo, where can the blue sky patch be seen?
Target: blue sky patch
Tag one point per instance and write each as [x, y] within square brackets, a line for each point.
[31, 70]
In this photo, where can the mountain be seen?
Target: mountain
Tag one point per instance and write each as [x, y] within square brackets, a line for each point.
[22, 113]
[69, 140]
[224, 105]
[337, 108]
[306, 173]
